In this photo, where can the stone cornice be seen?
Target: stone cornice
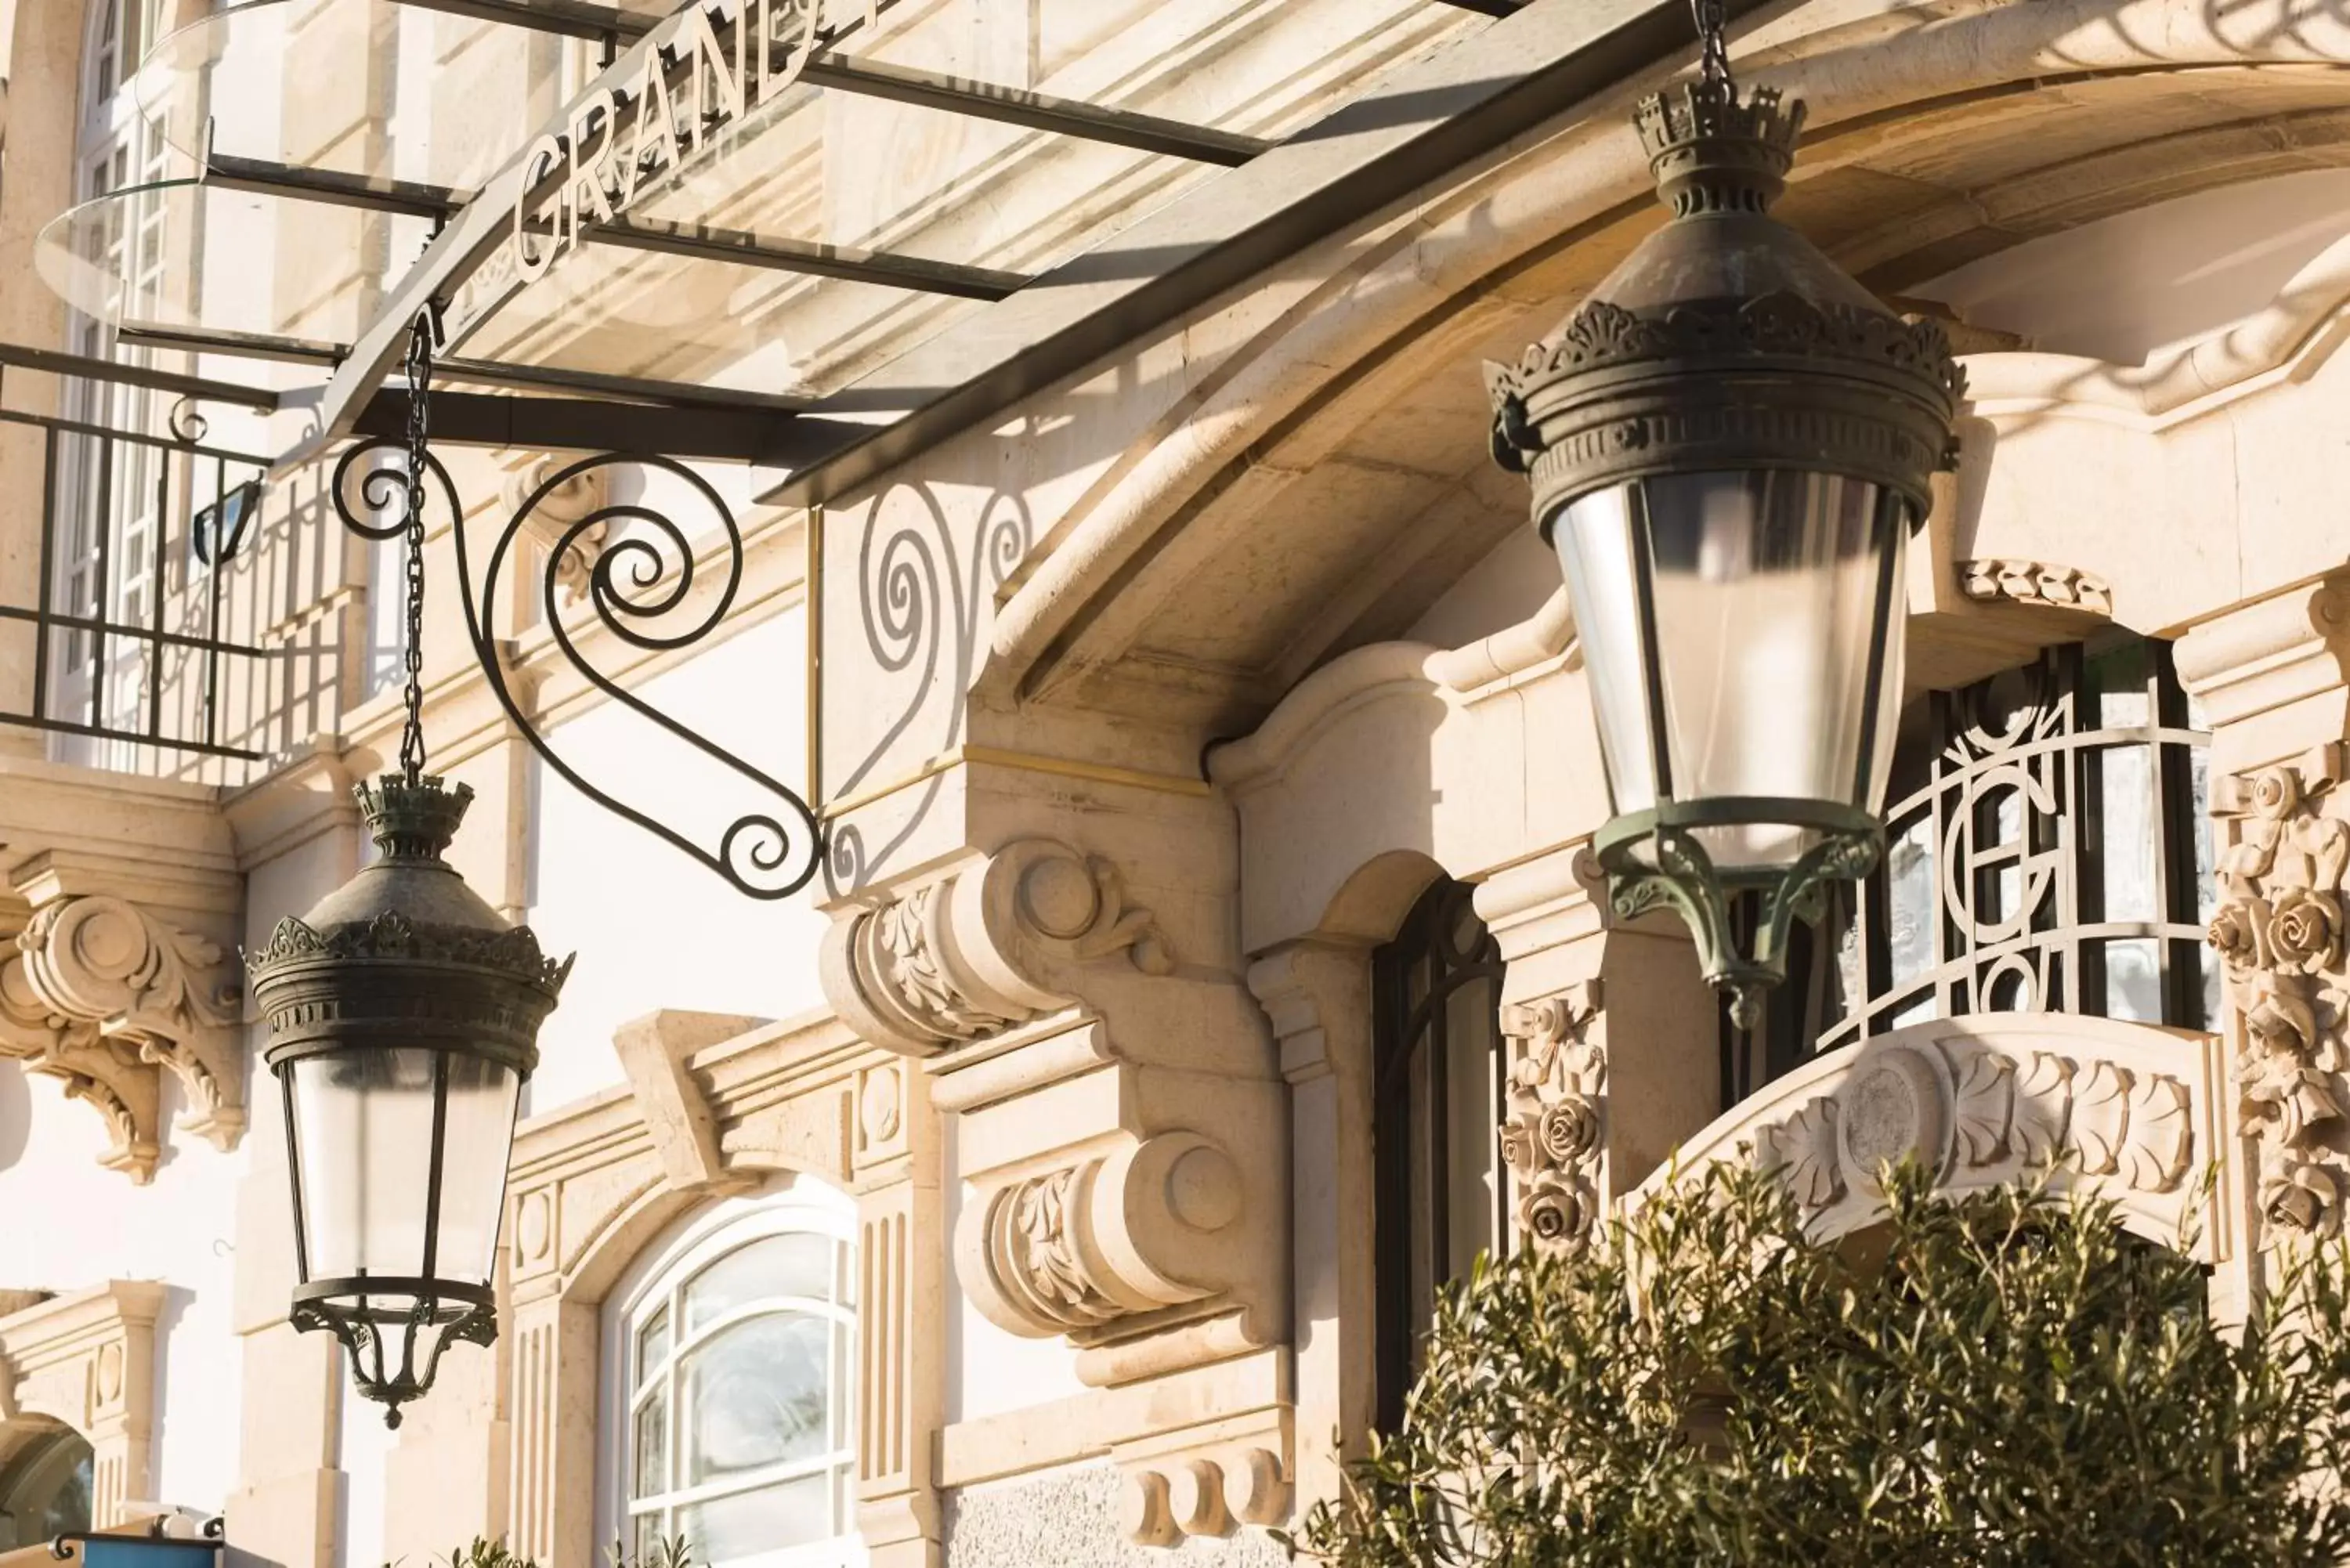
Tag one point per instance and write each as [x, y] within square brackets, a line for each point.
[2280, 340]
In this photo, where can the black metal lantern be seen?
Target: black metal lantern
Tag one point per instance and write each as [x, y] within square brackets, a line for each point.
[1730, 444]
[403, 1019]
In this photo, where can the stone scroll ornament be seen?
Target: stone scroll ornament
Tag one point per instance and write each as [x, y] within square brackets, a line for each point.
[99, 994]
[1551, 1139]
[2279, 934]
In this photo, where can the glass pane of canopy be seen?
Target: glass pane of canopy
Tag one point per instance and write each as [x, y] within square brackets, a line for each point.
[176, 253]
[793, 236]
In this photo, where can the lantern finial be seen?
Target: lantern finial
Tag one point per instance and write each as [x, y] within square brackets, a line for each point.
[1712, 152]
[412, 818]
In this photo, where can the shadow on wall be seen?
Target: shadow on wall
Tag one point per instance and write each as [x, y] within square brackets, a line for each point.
[16, 1114]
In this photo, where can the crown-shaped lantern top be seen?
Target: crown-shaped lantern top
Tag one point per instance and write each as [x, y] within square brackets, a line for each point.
[1712, 152]
[412, 819]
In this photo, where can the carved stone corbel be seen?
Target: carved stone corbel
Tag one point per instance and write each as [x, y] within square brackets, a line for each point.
[101, 995]
[558, 509]
[985, 948]
[1075, 1249]
[1121, 1116]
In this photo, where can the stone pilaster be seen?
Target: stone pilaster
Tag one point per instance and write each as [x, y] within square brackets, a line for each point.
[1616, 1043]
[1318, 995]
[2270, 679]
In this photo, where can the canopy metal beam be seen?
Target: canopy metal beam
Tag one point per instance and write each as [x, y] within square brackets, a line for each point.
[1421, 125]
[708, 243]
[900, 83]
[238, 344]
[572, 424]
[1034, 110]
[408, 198]
[89, 369]
[333, 187]
[474, 372]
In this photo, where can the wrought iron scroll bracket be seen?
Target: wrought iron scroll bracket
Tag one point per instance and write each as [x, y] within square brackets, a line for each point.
[644, 575]
[1655, 860]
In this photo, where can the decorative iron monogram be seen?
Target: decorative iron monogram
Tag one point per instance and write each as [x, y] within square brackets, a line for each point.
[1999, 893]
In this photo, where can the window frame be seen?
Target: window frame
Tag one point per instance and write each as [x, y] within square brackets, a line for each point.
[656, 1281]
[1402, 1031]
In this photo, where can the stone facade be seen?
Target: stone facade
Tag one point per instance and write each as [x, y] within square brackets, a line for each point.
[1137, 722]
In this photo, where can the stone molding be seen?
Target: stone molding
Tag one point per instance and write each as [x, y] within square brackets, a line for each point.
[985, 949]
[2191, 378]
[2279, 935]
[2130, 1111]
[87, 1360]
[712, 1108]
[2036, 585]
[104, 996]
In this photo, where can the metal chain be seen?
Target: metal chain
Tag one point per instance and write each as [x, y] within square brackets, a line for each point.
[419, 385]
[1712, 17]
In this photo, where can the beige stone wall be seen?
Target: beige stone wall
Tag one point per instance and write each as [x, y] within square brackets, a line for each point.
[1129, 768]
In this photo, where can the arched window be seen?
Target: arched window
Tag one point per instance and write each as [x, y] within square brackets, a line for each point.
[1440, 1082]
[730, 1353]
[2049, 850]
[44, 1489]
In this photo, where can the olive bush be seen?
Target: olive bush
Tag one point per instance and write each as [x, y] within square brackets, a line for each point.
[2002, 1379]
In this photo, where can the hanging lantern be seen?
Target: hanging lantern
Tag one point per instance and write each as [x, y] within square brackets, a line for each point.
[403, 1020]
[1729, 443]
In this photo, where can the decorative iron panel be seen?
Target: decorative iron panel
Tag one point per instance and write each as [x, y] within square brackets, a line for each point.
[2048, 849]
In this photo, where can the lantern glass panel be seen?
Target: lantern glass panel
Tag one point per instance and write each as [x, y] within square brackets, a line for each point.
[363, 1139]
[1767, 588]
[1593, 538]
[474, 1154]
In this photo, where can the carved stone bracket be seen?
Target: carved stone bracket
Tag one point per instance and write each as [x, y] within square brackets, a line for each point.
[2279, 935]
[103, 997]
[1971, 1112]
[986, 949]
[1075, 1250]
[1554, 1136]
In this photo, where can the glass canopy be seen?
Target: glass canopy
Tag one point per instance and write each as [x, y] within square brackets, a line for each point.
[770, 200]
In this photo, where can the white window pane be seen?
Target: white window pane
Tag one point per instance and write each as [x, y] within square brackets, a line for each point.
[652, 1446]
[756, 1394]
[792, 1513]
[2127, 834]
[652, 1342]
[799, 1264]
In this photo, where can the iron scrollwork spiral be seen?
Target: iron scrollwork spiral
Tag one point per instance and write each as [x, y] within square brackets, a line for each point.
[644, 576]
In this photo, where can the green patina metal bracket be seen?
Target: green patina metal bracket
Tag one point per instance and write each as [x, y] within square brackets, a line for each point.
[1654, 859]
